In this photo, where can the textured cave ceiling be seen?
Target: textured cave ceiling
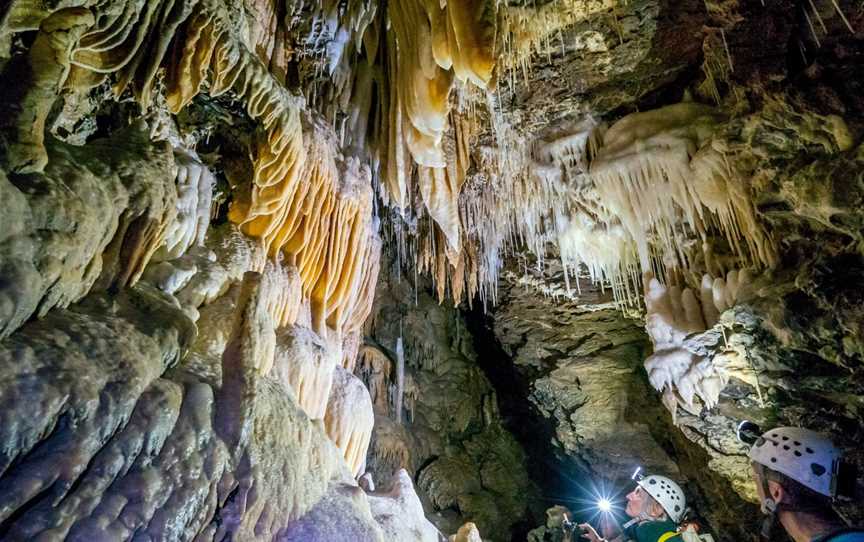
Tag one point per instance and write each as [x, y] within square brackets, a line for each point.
[259, 257]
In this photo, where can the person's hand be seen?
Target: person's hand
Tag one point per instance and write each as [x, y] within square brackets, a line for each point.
[608, 526]
[589, 533]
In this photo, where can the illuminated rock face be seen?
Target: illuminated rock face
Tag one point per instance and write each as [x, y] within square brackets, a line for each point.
[673, 314]
[93, 218]
[349, 418]
[400, 512]
[193, 370]
[195, 183]
[165, 445]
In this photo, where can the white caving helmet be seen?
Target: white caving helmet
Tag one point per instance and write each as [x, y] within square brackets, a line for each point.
[803, 455]
[667, 493]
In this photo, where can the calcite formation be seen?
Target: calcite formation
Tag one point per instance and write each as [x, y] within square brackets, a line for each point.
[306, 363]
[453, 440]
[349, 418]
[400, 512]
[674, 313]
[195, 184]
[93, 218]
[658, 167]
[158, 444]
[431, 43]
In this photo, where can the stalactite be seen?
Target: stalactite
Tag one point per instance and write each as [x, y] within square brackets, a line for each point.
[400, 380]
[306, 201]
[673, 314]
[430, 46]
[375, 369]
[655, 171]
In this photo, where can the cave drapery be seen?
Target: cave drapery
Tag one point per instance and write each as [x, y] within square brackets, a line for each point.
[260, 257]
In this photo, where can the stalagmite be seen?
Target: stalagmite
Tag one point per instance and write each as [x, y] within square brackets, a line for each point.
[400, 512]
[467, 533]
[349, 419]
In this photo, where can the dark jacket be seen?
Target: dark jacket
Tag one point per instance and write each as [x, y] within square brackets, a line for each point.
[651, 531]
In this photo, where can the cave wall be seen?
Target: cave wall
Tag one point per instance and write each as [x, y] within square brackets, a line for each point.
[788, 344]
[447, 429]
[187, 261]
[578, 361]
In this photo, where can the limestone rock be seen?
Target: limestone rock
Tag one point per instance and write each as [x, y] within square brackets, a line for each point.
[349, 418]
[400, 513]
[582, 369]
[148, 436]
[467, 464]
[97, 209]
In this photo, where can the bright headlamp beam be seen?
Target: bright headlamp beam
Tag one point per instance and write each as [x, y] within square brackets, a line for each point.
[604, 505]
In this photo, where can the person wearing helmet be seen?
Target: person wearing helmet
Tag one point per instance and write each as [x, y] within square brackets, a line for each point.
[656, 505]
[799, 474]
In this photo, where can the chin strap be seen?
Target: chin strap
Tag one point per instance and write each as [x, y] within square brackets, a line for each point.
[769, 507]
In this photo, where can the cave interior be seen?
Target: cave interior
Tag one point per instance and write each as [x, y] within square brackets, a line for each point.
[420, 270]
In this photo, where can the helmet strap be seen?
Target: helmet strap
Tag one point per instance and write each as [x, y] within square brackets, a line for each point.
[769, 506]
[769, 523]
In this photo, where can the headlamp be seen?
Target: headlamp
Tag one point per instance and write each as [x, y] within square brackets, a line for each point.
[748, 433]
[604, 505]
[637, 474]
